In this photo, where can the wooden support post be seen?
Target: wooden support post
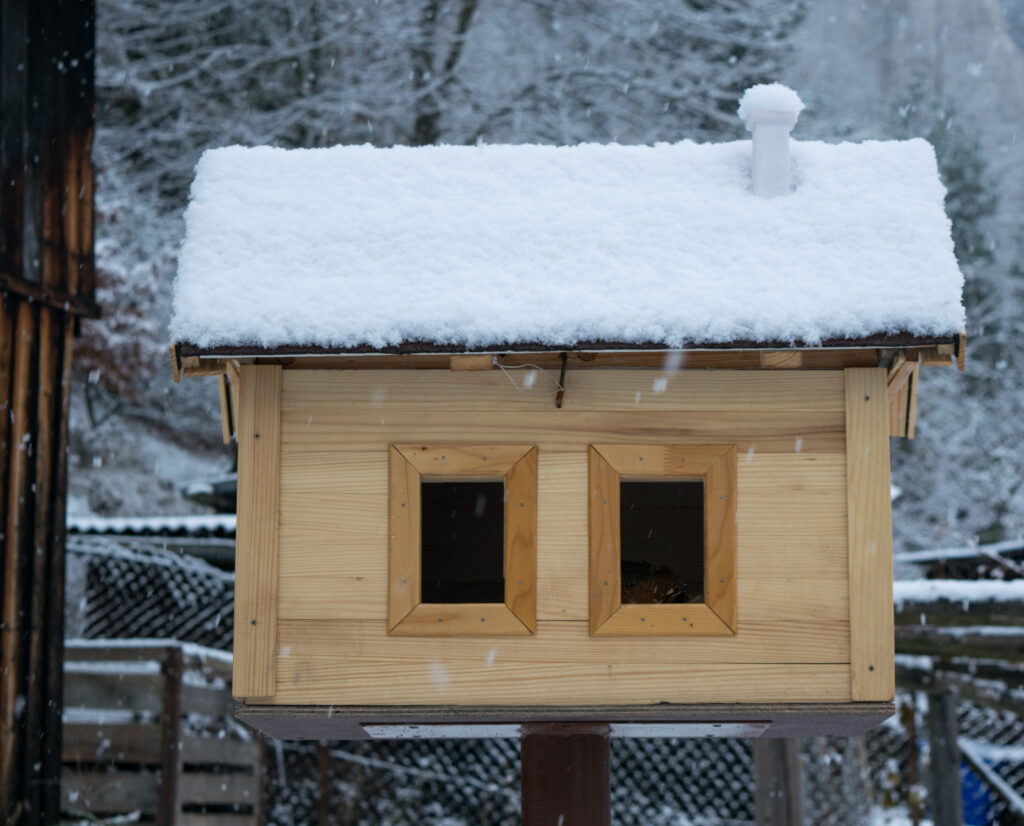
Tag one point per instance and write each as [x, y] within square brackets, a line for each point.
[259, 489]
[908, 716]
[566, 777]
[170, 749]
[777, 782]
[869, 532]
[41, 580]
[18, 540]
[323, 804]
[947, 799]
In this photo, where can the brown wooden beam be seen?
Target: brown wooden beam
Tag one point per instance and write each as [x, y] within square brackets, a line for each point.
[347, 722]
[52, 729]
[170, 741]
[946, 796]
[324, 784]
[777, 798]
[53, 297]
[566, 778]
[961, 613]
[18, 554]
[40, 580]
[959, 642]
[933, 343]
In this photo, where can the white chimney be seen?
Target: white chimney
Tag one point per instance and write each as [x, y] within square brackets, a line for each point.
[770, 110]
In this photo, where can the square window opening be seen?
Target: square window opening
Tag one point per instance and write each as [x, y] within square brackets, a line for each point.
[463, 542]
[662, 541]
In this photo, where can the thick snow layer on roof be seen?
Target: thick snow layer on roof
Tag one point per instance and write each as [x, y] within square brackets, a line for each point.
[503, 245]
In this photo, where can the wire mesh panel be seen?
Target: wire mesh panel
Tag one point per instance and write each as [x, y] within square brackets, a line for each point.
[454, 782]
[438, 783]
[139, 588]
[837, 781]
[676, 781]
[992, 741]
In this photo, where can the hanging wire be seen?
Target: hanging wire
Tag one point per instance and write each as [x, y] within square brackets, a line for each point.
[527, 391]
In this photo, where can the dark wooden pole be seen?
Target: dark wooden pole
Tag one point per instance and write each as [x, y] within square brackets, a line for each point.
[947, 799]
[170, 739]
[18, 555]
[323, 760]
[565, 775]
[777, 782]
[908, 716]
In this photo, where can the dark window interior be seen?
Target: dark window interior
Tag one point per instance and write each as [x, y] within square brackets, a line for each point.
[662, 527]
[463, 550]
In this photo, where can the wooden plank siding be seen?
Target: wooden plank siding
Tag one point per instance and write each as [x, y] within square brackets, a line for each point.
[793, 571]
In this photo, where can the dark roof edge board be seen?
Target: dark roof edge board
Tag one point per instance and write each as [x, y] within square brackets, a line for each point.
[408, 348]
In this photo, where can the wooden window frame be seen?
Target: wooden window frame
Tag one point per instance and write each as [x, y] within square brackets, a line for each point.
[408, 467]
[715, 465]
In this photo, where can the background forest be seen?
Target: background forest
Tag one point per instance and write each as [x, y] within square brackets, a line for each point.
[174, 78]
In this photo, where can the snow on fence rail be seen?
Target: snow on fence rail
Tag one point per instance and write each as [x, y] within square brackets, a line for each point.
[980, 619]
[973, 561]
[964, 591]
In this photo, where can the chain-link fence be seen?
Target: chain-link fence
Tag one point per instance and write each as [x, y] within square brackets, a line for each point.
[992, 743]
[477, 782]
[139, 588]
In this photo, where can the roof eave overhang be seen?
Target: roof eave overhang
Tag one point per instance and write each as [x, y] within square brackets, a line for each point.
[188, 359]
[422, 347]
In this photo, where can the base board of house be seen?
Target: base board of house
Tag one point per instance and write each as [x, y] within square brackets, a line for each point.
[663, 720]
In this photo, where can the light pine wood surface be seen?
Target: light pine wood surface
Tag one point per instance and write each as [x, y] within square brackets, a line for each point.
[715, 466]
[256, 559]
[720, 539]
[870, 535]
[792, 573]
[604, 390]
[521, 540]
[405, 571]
[314, 429]
[409, 465]
[504, 670]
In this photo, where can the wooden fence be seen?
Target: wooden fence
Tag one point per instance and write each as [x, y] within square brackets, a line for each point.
[961, 639]
[148, 729]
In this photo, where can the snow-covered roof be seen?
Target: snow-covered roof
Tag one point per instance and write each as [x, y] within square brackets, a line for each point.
[356, 247]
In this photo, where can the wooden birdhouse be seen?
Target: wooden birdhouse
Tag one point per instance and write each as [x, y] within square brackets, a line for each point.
[591, 433]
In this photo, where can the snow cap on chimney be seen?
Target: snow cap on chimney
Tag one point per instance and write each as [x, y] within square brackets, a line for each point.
[770, 110]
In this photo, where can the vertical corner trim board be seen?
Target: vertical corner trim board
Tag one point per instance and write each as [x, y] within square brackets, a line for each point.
[259, 485]
[869, 514]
